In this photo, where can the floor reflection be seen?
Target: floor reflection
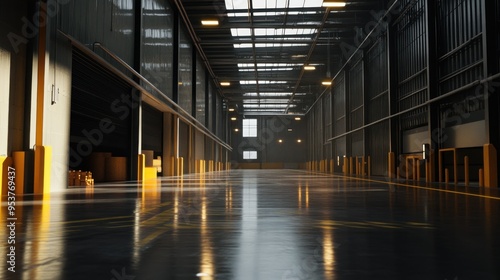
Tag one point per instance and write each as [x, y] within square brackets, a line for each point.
[249, 224]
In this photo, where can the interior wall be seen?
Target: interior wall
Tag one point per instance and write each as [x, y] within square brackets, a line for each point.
[109, 22]
[58, 109]
[270, 130]
[13, 46]
[152, 129]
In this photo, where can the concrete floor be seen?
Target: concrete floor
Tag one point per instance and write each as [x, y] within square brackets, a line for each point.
[256, 224]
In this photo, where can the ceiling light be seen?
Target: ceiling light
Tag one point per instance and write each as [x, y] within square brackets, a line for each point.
[233, 118]
[225, 84]
[335, 4]
[280, 141]
[290, 130]
[210, 22]
[299, 141]
[231, 109]
[326, 83]
[236, 130]
[309, 67]
[297, 118]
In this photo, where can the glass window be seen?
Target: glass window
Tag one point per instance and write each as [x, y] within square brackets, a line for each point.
[249, 154]
[250, 128]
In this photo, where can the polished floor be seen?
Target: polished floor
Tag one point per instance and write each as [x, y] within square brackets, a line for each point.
[256, 224]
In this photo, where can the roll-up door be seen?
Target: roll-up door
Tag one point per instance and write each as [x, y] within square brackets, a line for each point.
[101, 106]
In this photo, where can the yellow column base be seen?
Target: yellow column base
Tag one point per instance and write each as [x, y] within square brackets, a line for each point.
[43, 164]
[141, 165]
[490, 166]
[5, 163]
[19, 162]
[392, 165]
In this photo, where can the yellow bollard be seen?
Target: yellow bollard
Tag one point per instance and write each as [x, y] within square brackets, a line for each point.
[392, 165]
[351, 166]
[481, 177]
[418, 169]
[363, 166]
[345, 167]
[427, 172]
[466, 170]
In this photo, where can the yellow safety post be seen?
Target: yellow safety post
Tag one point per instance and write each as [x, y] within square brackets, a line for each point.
[19, 162]
[417, 167]
[392, 165]
[180, 166]
[466, 170]
[43, 162]
[363, 166]
[427, 172]
[407, 169]
[141, 165]
[5, 163]
[345, 166]
[173, 164]
[490, 166]
[481, 177]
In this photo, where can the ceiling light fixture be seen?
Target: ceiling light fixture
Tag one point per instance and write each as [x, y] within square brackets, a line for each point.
[225, 84]
[309, 67]
[334, 4]
[326, 83]
[210, 22]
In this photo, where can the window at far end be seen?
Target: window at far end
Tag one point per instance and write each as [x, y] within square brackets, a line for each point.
[249, 127]
[249, 154]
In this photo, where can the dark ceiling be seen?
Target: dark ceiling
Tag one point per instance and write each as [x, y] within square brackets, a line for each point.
[261, 47]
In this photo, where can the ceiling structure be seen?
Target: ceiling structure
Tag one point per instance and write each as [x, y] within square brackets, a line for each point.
[261, 48]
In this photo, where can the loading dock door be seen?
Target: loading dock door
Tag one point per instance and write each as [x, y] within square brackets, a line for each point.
[101, 108]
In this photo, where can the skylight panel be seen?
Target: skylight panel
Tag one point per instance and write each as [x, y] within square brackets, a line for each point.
[255, 106]
[265, 101]
[268, 94]
[262, 82]
[241, 32]
[236, 4]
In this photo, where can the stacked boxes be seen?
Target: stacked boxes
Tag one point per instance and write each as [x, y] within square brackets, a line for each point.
[80, 178]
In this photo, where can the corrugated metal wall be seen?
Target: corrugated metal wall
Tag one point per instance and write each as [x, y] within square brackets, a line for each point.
[377, 98]
[459, 42]
[185, 84]
[460, 52]
[339, 118]
[158, 44]
[356, 105]
[110, 22]
[411, 63]
[436, 61]
[200, 90]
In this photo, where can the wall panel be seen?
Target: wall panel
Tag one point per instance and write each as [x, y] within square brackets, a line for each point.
[157, 45]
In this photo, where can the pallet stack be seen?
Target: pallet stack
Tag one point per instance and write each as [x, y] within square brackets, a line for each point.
[80, 178]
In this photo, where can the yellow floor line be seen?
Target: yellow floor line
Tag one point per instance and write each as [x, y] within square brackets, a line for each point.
[412, 186]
